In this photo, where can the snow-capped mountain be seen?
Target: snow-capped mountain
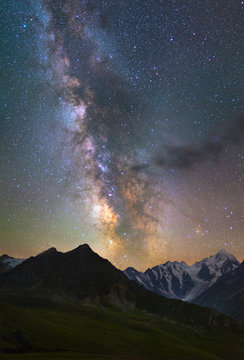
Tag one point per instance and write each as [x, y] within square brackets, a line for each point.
[81, 276]
[182, 281]
[7, 263]
[226, 294]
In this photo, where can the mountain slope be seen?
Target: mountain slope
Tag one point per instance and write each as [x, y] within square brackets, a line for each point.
[79, 274]
[53, 330]
[226, 295]
[181, 281]
[82, 276]
[7, 263]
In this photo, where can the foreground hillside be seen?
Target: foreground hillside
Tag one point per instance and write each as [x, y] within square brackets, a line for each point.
[42, 329]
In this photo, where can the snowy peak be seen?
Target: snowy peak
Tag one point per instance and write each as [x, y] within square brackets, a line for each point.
[170, 279]
[179, 280]
[226, 294]
[223, 252]
[215, 266]
[7, 263]
[223, 255]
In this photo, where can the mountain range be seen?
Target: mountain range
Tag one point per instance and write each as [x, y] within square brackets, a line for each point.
[83, 276]
[181, 281]
[216, 282]
[58, 303]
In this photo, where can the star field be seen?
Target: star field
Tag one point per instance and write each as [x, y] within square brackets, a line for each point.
[122, 126]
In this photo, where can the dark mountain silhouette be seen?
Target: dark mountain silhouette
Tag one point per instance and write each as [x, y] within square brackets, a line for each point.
[83, 276]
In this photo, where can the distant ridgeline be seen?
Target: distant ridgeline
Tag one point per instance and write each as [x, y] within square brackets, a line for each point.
[217, 282]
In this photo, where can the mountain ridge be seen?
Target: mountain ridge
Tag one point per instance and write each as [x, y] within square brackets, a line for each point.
[226, 294]
[182, 281]
[82, 276]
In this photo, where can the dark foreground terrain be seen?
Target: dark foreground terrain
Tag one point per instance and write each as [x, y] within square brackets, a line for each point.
[46, 330]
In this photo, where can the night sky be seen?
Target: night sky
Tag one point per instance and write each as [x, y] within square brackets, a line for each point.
[121, 127]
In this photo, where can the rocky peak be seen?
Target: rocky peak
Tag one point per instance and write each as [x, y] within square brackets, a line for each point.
[50, 251]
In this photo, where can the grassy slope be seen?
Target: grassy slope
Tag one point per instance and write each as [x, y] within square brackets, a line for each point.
[65, 332]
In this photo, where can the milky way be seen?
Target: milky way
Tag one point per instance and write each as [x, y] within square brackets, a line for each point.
[136, 118]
